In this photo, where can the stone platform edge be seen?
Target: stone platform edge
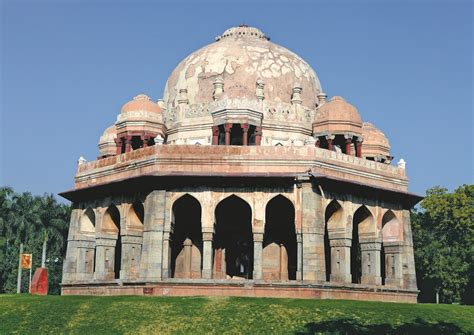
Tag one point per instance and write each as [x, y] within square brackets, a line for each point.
[243, 289]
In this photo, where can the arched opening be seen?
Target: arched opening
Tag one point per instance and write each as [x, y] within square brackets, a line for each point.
[136, 215]
[111, 225]
[333, 219]
[186, 245]
[279, 240]
[361, 223]
[390, 233]
[233, 239]
[87, 222]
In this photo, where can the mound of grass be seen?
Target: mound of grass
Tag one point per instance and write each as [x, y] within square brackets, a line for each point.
[23, 314]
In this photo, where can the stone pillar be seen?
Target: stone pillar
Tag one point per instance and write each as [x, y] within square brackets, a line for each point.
[153, 226]
[340, 260]
[245, 128]
[70, 262]
[166, 267]
[105, 257]
[258, 135]
[393, 264]
[207, 251]
[408, 257]
[145, 140]
[257, 256]
[359, 146]
[215, 135]
[85, 259]
[370, 253]
[348, 138]
[330, 138]
[227, 129]
[299, 256]
[131, 252]
[314, 267]
[118, 142]
[128, 143]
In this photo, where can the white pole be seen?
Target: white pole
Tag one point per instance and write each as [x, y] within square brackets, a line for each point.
[18, 282]
[43, 256]
[31, 267]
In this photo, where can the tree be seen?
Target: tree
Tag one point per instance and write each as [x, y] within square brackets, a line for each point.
[443, 236]
[28, 219]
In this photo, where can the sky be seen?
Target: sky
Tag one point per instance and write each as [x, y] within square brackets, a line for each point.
[67, 67]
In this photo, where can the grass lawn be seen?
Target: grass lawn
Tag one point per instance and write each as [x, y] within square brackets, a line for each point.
[23, 314]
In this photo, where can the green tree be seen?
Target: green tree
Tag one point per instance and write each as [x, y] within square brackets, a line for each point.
[443, 235]
[29, 219]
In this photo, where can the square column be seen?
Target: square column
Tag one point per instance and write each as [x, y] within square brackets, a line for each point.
[153, 226]
[227, 129]
[215, 135]
[131, 254]
[85, 260]
[370, 252]
[340, 260]
[207, 255]
[257, 255]
[245, 129]
[105, 258]
[393, 264]
[166, 250]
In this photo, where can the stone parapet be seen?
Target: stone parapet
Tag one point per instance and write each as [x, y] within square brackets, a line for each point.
[192, 160]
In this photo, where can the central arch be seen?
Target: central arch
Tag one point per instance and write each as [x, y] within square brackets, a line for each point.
[111, 225]
[233, 239]
[186, 246]
[362, 224]
[279, 240]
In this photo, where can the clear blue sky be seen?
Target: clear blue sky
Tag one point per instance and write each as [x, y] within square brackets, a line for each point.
[68, 66]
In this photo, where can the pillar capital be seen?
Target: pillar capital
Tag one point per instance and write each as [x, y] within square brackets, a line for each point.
[207, 236]
[258, 237]
[340, 242]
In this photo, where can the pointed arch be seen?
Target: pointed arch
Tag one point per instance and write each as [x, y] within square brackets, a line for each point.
[391, 227]
[87, 222]
[186, 246]
[136, 215]
[362, 226]
[233, 247]
[111, 220]
[334, 218]
[279, 242]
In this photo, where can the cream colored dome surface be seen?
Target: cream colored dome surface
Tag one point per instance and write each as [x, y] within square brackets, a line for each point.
[337, 116]
[139, 103]
[241, 56]
[109, 135]
[375, 142]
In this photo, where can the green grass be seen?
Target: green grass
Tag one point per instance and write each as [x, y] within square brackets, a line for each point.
[23, 314]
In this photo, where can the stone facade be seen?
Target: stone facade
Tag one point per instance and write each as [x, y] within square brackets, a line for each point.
[239, 185]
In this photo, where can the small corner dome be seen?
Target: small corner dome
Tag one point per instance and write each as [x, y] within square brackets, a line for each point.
[141, 102]
[109, 135]
[337, 116]
[375, 141]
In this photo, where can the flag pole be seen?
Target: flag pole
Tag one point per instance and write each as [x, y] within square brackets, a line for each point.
[18, 282]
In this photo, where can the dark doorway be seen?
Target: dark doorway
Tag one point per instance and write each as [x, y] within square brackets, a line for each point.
[236, 135]
[234, 237]
[280, 230]
[186, 227]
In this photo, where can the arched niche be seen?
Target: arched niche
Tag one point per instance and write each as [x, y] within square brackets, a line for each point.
[362, 227]
[391, 227]
[279, 240]
[111, 220]
[233, 246]
[87, 222]
[111, 225]
[135, 217]
[334, 220]
[186, 245]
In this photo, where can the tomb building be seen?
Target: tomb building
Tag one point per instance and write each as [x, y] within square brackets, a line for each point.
[244, 179]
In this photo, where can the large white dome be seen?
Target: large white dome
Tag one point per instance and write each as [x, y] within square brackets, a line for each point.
[241, 56]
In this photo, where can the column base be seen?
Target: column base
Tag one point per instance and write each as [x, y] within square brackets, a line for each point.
[340, 278]
[393, 282]
[206, 274]
[371, 280]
